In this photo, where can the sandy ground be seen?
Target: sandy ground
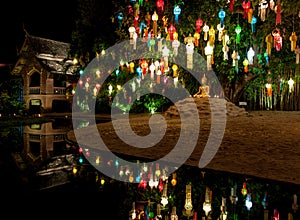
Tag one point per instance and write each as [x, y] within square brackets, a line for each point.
[264, 144]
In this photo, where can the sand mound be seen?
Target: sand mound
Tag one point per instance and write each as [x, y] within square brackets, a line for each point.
[205, 107]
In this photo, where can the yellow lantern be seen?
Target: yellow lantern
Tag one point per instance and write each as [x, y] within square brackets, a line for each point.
[173, 181]
[74, 170]
[175, 68]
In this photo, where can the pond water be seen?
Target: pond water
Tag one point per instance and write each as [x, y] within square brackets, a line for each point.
[38, 158]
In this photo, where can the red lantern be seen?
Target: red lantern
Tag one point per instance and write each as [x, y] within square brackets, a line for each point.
[246, 7]
[171, 31]
[231, 5]
[278, 13]
[160, 7]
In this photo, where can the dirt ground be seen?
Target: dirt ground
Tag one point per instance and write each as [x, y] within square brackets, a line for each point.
[264, 144]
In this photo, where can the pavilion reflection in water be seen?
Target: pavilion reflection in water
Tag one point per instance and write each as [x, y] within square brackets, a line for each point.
[46, 152]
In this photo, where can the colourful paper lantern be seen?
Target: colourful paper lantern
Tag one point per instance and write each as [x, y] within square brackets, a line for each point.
[238, 31]
[221, 15]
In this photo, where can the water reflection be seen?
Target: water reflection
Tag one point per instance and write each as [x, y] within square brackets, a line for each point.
[46, 161]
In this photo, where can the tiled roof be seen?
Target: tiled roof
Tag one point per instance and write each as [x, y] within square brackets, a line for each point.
[48, 47]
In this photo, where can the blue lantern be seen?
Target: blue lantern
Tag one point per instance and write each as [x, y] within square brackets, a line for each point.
[120, 18]
[139, 71]
[177, 11]
[222, 16]
[253, 22]
[142, 26]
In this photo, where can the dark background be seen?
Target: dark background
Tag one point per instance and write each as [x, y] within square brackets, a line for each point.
[49, 19]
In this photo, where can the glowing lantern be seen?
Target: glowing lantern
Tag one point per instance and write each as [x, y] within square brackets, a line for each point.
[253, 24]
[231, 5]
[160, 185]
[173, 214]
[199, 24]
[205, 29]
[95, 91]
[133, 213]
[136, 21]
[245, 63]
[246, 7]
[110, 89]
[291, 85]
[225, 50]
[207, 202]
[269, 89]
[152, 69]
[277, 39]
[144, 66]
[293, 39]
[264, 202]
[175, 68]
[295, 205]
[175, 46]
[269, 41]
[131, 66]
[244, 190]
[120, 19]
[164, 197]
[160, 6]
[134, 40]
[165, 53]
[188, 201]
[196, 37]
[220, 33]
[98, 160]
[276, 214]
[221, 15]
[250, 15]
[263, 5]
[171, 31]
[238, 30]
[175, 74]
[157, 170]
[177, 11]
[154, 19]
[212, 35]
[248, 202]
[223, 208]
[74, 170]
[297, 51]
[208, 50]
[278, 12]
[142, 27]
[189, 57]
[173, 181]
[233, 197]
[250, 55]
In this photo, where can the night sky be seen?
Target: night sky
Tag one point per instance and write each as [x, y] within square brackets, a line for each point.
[49, 19]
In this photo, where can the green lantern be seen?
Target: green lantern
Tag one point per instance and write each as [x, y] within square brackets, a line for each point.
[238, 30]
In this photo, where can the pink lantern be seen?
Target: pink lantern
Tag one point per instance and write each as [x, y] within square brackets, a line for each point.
[277, 39]
[199, 24]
